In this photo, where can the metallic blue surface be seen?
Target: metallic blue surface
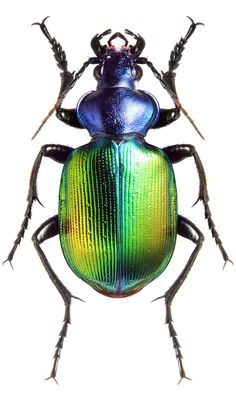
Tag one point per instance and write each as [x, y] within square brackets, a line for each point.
[116, 107]
[118, 110]
[117, 70]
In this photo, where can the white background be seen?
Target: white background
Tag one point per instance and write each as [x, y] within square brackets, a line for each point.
[117, 345]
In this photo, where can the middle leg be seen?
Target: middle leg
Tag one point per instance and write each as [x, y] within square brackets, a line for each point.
[58, 153]
[177, 153]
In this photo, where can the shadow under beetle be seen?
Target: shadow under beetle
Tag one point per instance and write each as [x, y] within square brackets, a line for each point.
[118, 218]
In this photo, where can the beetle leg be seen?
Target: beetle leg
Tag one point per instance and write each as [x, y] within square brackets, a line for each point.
[68, 79]
[167, 79]
[178, 153]
[59, 54]
[167, 116]
[69, 117]
[58, 153]
[48, 229]
[188, 230]
[176, 55]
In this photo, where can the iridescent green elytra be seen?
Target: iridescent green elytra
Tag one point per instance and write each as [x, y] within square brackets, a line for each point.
[118, 214]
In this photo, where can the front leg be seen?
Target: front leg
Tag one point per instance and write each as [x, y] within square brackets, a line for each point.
[176, 55]
[167, 79]
[178, 153]
[59, 55]
[58, 153]
[68, 79]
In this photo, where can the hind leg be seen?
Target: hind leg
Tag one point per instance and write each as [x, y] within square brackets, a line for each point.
[188, 230]
[48, 229]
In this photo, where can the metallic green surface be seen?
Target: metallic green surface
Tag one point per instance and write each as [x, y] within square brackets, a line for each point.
[118, 214]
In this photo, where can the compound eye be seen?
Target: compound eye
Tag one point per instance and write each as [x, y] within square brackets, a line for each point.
[97, 73]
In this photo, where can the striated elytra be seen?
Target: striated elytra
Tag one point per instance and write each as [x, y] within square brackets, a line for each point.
[118, 213]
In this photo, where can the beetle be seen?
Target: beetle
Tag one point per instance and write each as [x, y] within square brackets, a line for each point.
[118, 216]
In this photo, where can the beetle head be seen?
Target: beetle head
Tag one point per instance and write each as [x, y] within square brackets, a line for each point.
[117, 66]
